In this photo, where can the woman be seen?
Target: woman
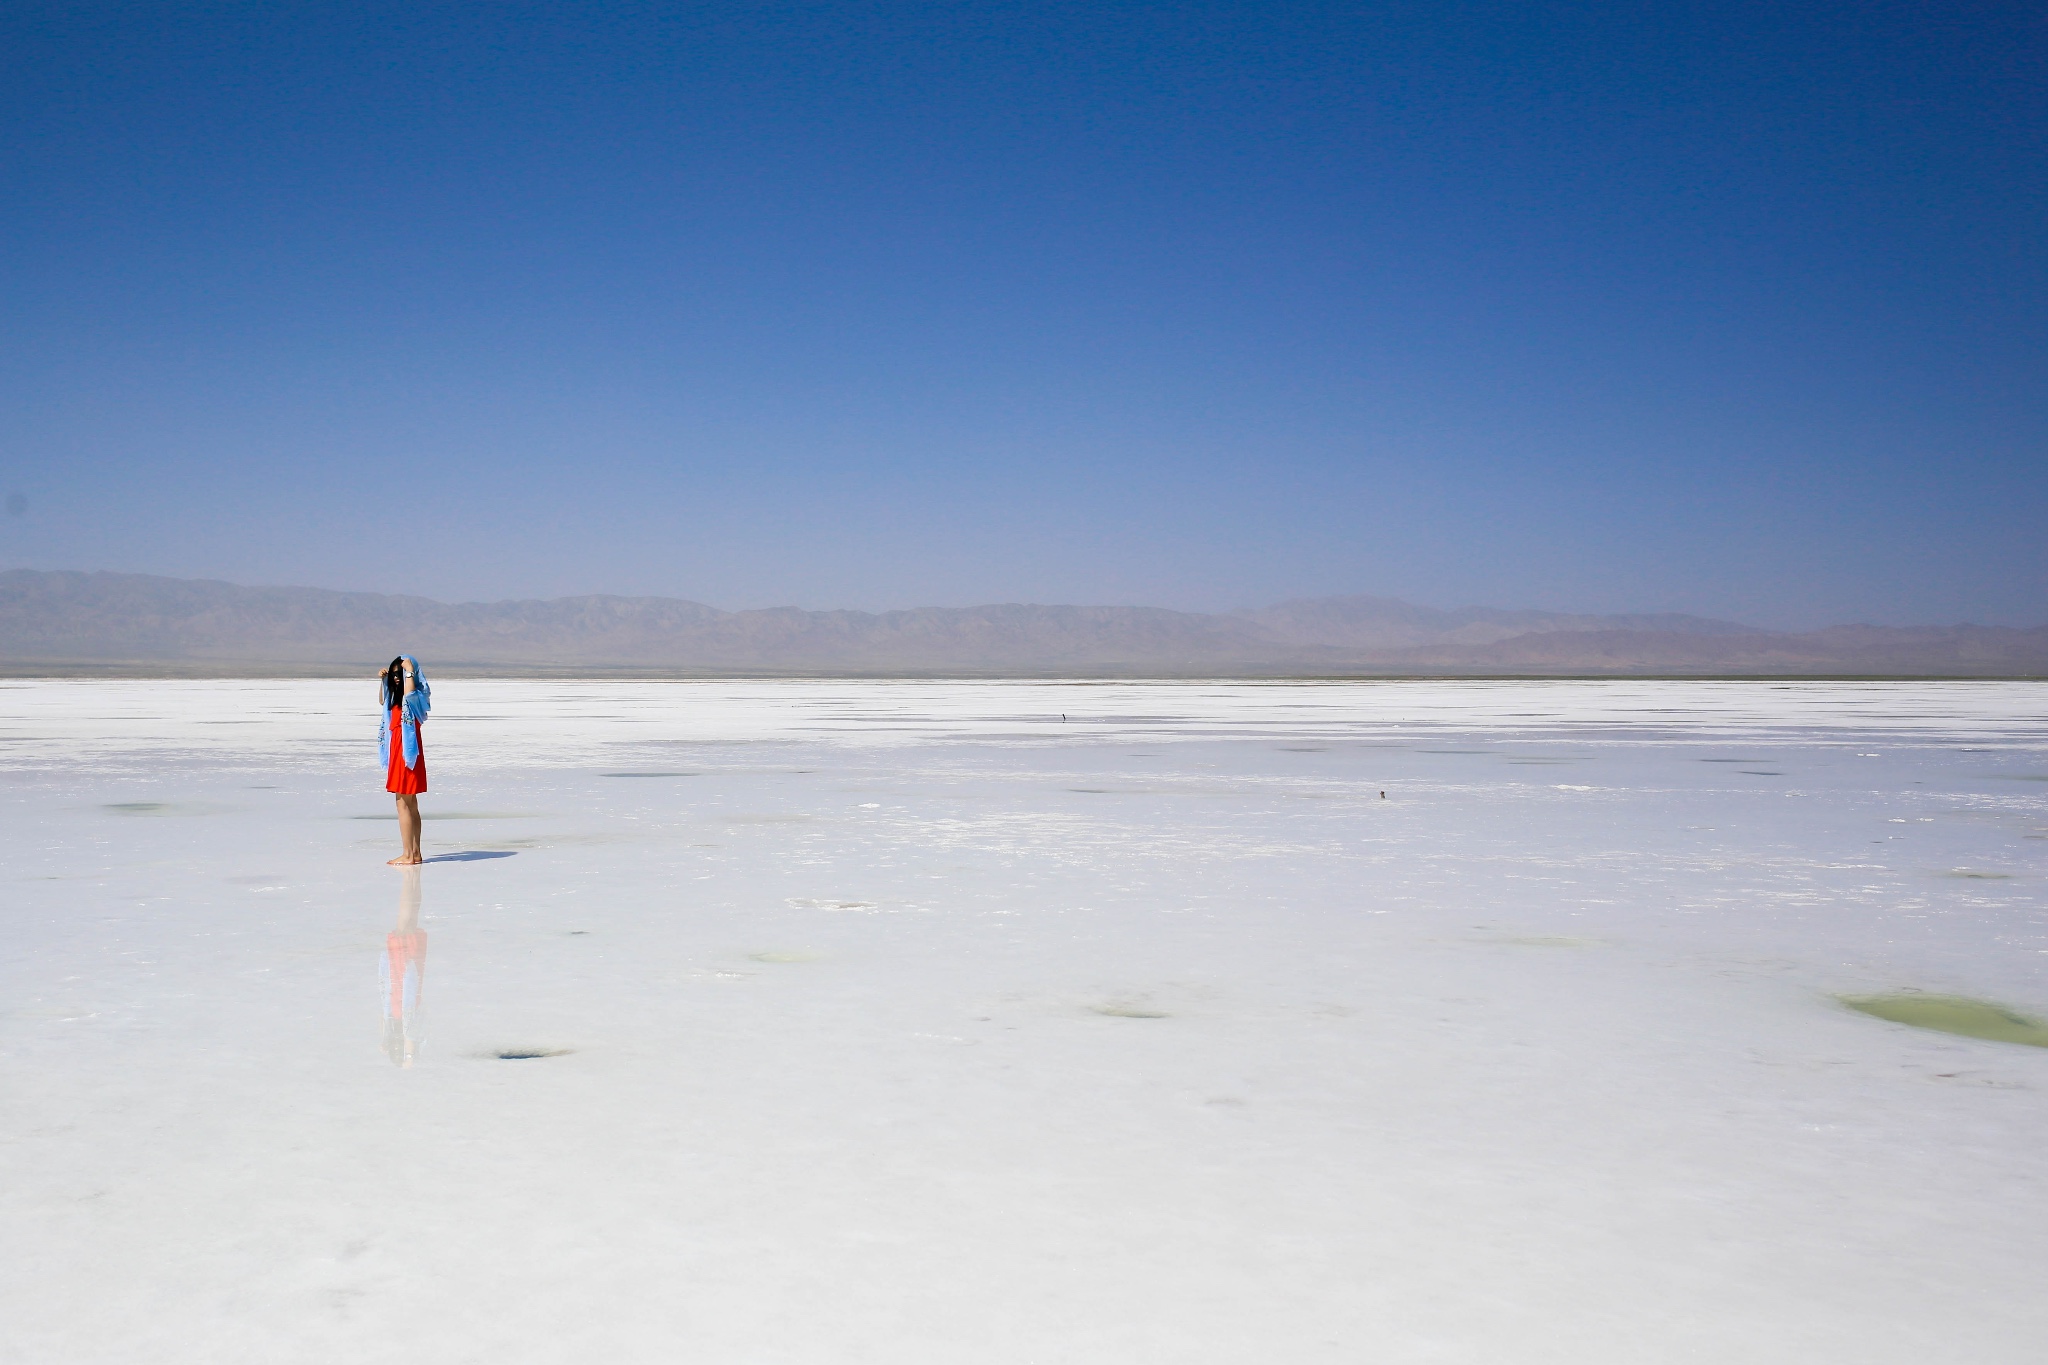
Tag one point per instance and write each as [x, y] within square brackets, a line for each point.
[406, 702]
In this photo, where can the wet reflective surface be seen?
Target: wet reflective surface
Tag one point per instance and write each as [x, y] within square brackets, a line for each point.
[403, 968]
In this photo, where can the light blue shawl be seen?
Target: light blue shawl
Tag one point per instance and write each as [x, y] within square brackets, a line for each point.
[414, 710]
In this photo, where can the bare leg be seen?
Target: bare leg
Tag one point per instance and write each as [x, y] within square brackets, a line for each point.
[408, 832]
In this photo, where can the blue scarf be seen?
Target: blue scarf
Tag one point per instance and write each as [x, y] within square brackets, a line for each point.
[411, 712]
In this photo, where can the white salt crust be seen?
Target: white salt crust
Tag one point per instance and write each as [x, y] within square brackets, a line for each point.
[907, 1022]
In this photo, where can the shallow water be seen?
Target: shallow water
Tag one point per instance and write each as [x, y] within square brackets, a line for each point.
[919, 1024]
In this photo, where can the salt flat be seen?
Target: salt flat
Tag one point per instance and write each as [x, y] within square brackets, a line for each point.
[907, 1022]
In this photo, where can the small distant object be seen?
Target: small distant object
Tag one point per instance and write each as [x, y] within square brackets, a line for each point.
[1063, 716]
[17, 503]
[1383, 796]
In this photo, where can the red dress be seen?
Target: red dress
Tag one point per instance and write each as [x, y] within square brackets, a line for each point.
[401, 779]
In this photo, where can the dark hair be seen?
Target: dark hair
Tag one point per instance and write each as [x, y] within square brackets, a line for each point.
[394, 682]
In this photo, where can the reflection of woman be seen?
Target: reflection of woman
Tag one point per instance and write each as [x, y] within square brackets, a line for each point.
[403, 965]
[406, 701]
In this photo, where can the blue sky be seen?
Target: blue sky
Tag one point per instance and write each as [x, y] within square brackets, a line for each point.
[1727, 308]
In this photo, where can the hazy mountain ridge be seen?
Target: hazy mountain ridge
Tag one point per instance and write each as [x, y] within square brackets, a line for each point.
[134, 617]
[1379, 623]
[87, 618]
[1908, 650]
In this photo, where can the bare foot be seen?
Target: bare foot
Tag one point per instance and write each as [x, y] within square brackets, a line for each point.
[404, 861]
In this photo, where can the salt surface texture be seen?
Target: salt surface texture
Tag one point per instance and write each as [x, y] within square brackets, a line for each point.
[911, 1022]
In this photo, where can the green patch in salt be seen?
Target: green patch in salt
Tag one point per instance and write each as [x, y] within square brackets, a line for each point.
[1957, 1014]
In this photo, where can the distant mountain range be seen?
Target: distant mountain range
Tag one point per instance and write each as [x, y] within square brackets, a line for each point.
[105, 620]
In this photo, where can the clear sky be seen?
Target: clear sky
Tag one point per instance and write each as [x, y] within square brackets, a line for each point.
[1731, 308]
